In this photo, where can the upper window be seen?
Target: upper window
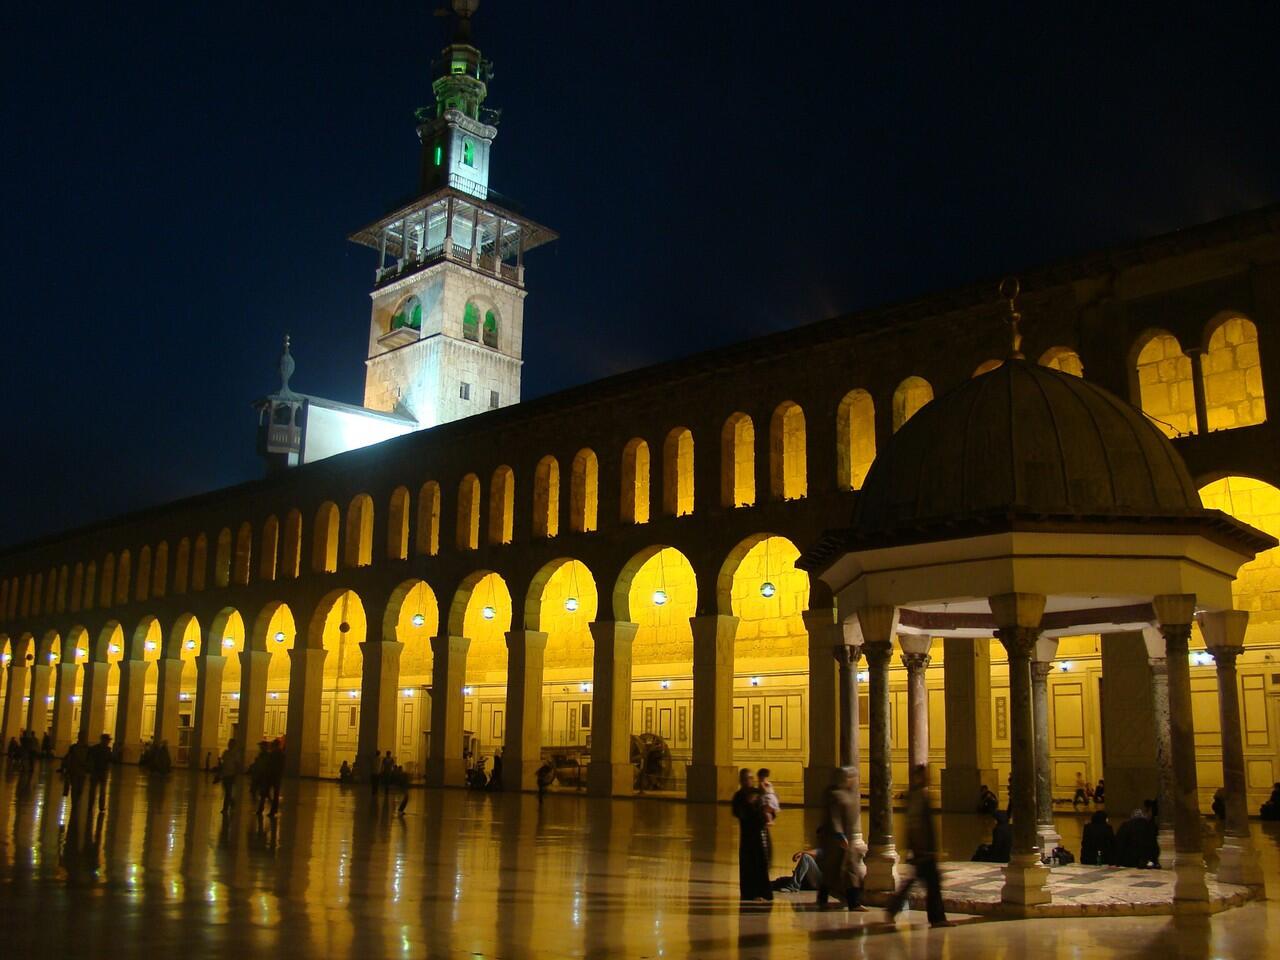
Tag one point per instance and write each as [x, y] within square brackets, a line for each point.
[408, 314]
[471, 322]
[469, 153]
[490, 329]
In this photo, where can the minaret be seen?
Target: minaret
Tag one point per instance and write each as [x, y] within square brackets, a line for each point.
[280, 420]
[446, 332]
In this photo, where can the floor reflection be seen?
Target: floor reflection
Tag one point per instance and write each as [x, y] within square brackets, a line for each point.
[341, 874]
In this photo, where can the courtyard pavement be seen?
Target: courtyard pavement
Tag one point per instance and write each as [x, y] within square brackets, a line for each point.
[163, 875]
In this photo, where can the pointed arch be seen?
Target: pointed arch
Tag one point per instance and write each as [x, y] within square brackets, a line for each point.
[124, 574]
[426, 541]
[738, 461]
[77, 586]
[222, 559]
[90, 585]
[912, 394]
[359, 540]
[269, 549]
[291, 554]
[324, 539]
[243, 561]
[398, 524]
[855, 439]
[635, 482]
[468, 529]
[677, 472]
[502, 505]
[584, 491]
[546, 498]
[160, 570]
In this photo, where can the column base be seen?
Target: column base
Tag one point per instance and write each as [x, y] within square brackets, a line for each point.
[711, 784]
[450, 772]
[1026, 881]
[1047, 837]
[960, 786]
[1165, 842]
[308, 764]
[610, 779]
[1238, 862]
[882, 869]
[816, 782]
[1189, 885]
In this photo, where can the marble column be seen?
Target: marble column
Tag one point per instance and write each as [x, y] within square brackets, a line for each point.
[966, 684]
[168, 689]
[878, 625]
[522, 752]
[1017, 617]
[1174, 613]
[610, 773]
[14, 709]
[915, 657]
[93, 701]
[38, 708]
[1042, 663]
[208, 709]
[302, 723]
[128, 736]
[64, 687]
[254, 667]
[445, 765]
[847, 656]
[379, 694]
[712, 775]
[1159, 668]
[1224, 636]
[826, 717]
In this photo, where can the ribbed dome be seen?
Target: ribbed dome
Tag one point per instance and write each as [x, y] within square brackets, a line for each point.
[1024, 438]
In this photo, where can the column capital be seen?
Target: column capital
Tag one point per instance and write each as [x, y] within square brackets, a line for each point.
[1018, 642]
[1177, 639]
[878, 654]
[914, 643]
[1040, 670]
[1174, 609]
[878, 623]
[915, 662]
[1224, 631]
[847, 654]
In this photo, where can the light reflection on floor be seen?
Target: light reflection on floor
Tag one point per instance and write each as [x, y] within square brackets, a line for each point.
[161, 874]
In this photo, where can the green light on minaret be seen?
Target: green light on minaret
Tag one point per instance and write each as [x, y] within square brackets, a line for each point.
[439, 154]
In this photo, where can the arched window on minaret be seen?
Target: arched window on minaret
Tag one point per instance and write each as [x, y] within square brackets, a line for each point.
[471, 323]
[490, 329]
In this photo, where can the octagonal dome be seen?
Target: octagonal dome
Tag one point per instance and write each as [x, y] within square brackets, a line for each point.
[1024, 439]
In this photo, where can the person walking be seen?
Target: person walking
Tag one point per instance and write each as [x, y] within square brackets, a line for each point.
[257, 771]
[840, 860]
[99, 757]
[387, 774]
[228, 772]
[753, 841]
[74, 767]
[273, 776]
[924, 852]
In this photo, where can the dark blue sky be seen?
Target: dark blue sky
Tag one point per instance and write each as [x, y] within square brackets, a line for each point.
[179, 183]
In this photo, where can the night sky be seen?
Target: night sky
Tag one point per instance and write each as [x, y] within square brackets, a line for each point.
[178, 185]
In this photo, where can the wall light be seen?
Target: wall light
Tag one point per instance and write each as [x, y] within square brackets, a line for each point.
[665, 684]
[584, 687]
[279, 636]
[48, 699]
[1064, 666]
[80, 654]
[466, 691]
[488, 613]
[419, 620]
[1201, 658]
[864, 676]
[659, 597]
[353, 693]
[407, 693]
[75, 698]
[113, 648]
[275, 696]
[235, 695]
[53, 658]
[184, 696]
[755, 681]
[571, 604]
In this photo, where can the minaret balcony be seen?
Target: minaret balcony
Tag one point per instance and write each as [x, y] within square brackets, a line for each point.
[399, 337]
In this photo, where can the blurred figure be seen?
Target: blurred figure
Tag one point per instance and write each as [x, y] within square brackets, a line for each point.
[840, 863]
[99, 757]
[753, 863]
[924, 852]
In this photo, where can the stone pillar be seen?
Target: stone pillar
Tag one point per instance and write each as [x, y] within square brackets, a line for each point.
[302, 723]
[610, 773]
[878, 625]
[1159, 669]
[826, 709]
[133, 679]
[1224, 636]
[93, 701]
[847, 657]
[204, 738]
[379, 694]
[966, 668]
[1174, 611]
[64, 686]
[38, 708]
[1045, 652]
[712, 775]
[168, 687]
[445, 766]
[1017, 617]
[522, 754]
[254, 667]
[14, 712]
[915, 657]
[1196, 355]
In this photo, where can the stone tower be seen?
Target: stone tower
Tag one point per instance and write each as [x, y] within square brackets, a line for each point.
[447, 325]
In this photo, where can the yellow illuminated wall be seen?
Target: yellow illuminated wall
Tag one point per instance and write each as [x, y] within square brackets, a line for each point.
[635, 482]
[427, 536]
[415, 658]
[398, 524]
[677, 473]
[1164, 385]
[738, 462]
[324, 547]
[546, 498]
[1233, 376]
[502, 504]
[569, 645]
[584, 494]
[1257, 588]
[278, 670]
[468, 527]
[912, 394]
[344, 663]
[1063, 359]
[855, 439]
[770, 627]
[788, 468]
[664, 635]
[487, 655]
[359, 539]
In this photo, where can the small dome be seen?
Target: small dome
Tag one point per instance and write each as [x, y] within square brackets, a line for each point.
[1024, 439]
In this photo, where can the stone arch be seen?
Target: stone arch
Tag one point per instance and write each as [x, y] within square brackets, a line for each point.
[291, 555]
[426, 541]
[222, 559]
[182, 566]
[412, 613]
[339, 628]
[49, 649]
[90, 585]
[468, 526]
[788, 462]
[477, 586]
[677, 472]
[1232, 370]
[738, 461]
[577, 595]
[502, 504]
[1063, 359]
[108, 580]
[485, 609]
[398, 524]
[1256, 502]
[269, 552]
[184, 637]
[275, 618]
[160, 570]
[1163, 387]
[911, 394]
[546, 497]
[324, 540]
[142, 643]
[124, 576]
[199, 563]
[635, 482]
[142, 589]
[633, 580]
[359, 538]
[243, 560]
[584, 491]
[756, 564]
[855, 439]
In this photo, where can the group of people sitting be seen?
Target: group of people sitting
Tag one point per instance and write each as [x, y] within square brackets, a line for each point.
[24, 750]
[1135, 844]
[155, 757]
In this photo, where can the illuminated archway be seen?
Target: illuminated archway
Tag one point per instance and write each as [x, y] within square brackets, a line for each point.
[359, 538]
[1165, 390]
[788, 467]
[737, 461]
[1257, 585]
[911, 394]
[855, 439]
[502, 505]
[264, 696]
[1233, 374]
[584, 491]
[339, 628]
[677, 473]
[635, 482]
[481, 611]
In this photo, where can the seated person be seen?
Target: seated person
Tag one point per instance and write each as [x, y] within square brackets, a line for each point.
[806, 875]
[1100, 792]
[1001, 845]
[988, 803]
[1219, 805]
[1098, 843]
[344, 772]
[1271, 809]
[1136, 842]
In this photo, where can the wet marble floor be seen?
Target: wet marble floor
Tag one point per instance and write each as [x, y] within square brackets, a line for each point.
[162, 874]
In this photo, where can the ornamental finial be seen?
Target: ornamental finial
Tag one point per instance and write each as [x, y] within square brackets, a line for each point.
[286, 367]
[1009, 289]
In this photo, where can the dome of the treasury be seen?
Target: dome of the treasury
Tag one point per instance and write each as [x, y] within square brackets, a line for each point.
[1027, 440]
